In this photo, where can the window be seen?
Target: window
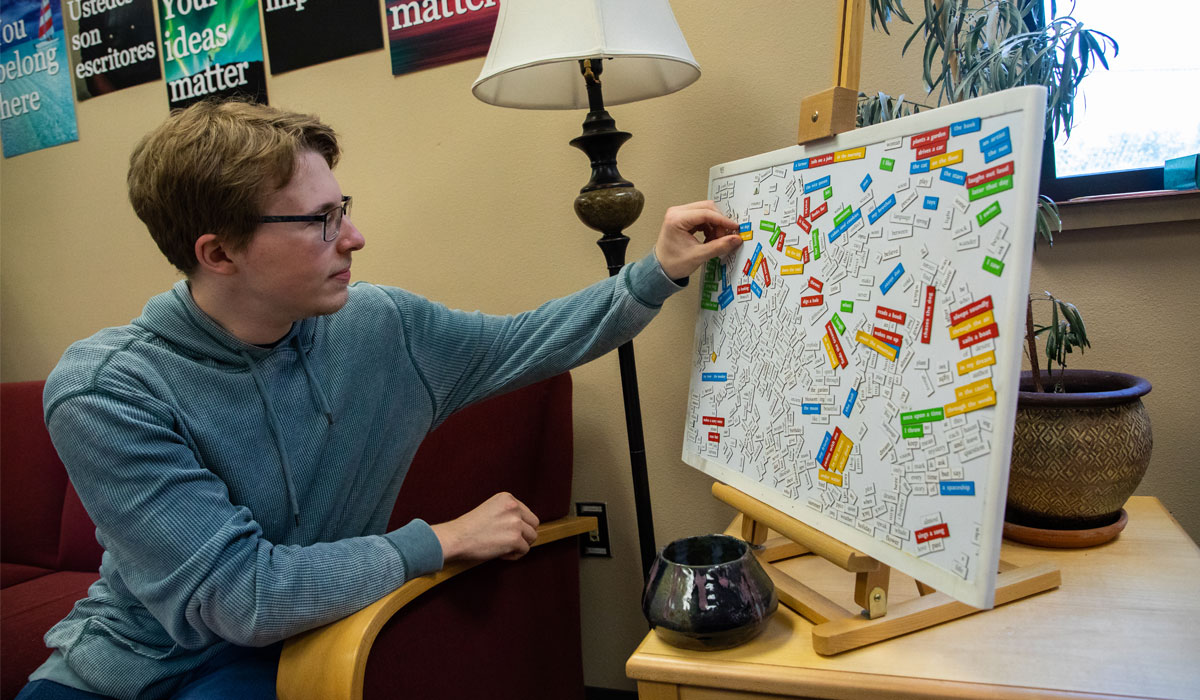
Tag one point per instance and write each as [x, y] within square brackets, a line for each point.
[1142, 111]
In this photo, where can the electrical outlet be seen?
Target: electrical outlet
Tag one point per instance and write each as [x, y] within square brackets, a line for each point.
[594, 543]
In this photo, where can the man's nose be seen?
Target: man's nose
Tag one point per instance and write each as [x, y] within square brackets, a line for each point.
[350, 238]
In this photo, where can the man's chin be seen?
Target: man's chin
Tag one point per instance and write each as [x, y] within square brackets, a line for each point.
[332, 305]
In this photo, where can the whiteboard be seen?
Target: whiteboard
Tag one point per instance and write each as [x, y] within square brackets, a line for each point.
[857, 358]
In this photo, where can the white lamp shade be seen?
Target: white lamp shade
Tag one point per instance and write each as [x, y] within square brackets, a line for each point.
[534, 59]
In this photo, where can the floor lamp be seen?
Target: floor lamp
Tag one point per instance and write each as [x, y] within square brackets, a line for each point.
[575, 54]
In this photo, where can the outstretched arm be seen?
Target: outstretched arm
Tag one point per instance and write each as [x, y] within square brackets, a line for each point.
[464, 357]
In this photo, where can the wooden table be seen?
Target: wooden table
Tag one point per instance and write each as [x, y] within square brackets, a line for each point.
[1125, 623]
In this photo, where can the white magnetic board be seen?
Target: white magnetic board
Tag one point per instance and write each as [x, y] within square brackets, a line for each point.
[856, 360]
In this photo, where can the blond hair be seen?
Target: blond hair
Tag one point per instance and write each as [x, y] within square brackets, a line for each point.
[208, 167]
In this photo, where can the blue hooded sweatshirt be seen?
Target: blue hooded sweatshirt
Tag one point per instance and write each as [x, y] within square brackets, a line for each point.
[241, 493]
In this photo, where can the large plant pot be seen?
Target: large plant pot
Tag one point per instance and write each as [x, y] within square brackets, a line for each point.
[1078, 456]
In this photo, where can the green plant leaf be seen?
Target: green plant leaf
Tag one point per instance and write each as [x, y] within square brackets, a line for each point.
[927, 65]
[920, 27]
[1054, 351]
[1048, 219]
[1078, 332]
[881, 13]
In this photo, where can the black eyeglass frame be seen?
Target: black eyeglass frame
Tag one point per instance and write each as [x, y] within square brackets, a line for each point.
[323, 218]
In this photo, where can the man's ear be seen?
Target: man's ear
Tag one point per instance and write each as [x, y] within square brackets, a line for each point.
[212, 255]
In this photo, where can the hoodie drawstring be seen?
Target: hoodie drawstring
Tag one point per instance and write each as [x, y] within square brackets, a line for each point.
[314, 387]
[277, 432]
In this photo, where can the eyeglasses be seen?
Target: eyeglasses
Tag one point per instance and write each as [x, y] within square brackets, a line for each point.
[331, 221]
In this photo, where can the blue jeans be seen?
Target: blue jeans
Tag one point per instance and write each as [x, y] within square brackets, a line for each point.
[251, 677]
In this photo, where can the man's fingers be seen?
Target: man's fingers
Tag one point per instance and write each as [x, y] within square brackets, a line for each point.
[712, 233]
[526, 525]
[697, 214]
[521, 544]
[528, 516]
[721, 244]
[522, 511]
[710, 221]
[717, 247]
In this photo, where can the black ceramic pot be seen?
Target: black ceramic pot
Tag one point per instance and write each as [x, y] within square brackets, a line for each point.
[708, 592]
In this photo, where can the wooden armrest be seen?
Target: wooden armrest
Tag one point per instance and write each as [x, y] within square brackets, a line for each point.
[330, 662]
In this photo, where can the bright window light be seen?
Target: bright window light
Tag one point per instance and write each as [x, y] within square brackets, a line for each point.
[1146, 108]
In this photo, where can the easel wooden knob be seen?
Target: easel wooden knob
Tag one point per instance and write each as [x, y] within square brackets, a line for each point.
[836, 628]
[835, 110]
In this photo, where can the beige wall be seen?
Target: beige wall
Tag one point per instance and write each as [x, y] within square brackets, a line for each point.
[471, 204]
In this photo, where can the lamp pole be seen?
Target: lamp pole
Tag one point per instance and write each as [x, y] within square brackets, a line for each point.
[609, 203]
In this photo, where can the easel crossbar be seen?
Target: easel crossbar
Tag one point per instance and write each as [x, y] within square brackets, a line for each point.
[816, 541]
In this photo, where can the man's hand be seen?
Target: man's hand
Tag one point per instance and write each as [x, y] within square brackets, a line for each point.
[678, 250]
[499, 527]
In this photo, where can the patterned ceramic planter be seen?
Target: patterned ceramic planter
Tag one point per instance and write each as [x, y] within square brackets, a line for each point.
[1078, 456]
[708, 593]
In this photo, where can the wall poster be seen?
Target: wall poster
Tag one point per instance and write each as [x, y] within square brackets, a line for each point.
[856, 360]
[302, 33]
[428, 33]
[211, 48]
[36, 109]
[112, 45]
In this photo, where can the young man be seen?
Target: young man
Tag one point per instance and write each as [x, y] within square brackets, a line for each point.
[240, 445]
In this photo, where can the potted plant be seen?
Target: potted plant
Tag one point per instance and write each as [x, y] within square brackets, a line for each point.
[1082, 438]
[1081, 441]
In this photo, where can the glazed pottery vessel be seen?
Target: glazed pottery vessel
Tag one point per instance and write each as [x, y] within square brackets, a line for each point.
[708, 592]
[1078, 456]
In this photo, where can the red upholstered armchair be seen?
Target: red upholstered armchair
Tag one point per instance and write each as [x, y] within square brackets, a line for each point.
[48, 550]
[501, 630]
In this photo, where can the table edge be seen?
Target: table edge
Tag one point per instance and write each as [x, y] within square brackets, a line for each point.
[838, 684]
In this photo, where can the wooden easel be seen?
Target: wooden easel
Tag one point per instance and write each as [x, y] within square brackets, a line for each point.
[837, 629]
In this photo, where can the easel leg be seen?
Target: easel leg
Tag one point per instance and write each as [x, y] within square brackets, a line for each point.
[808, 603]
[753, 531]
[871, 589]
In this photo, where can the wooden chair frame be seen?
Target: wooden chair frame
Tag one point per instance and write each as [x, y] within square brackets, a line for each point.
[330, 662]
